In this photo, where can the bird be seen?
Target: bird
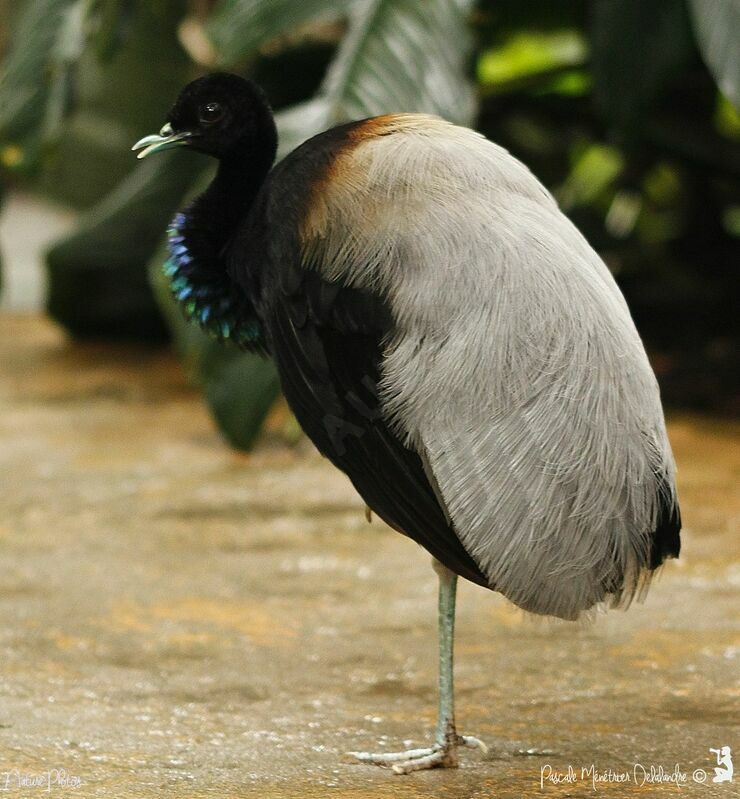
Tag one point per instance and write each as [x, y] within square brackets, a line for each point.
[448, 339]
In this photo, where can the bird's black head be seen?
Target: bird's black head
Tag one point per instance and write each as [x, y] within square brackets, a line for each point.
[219, 114]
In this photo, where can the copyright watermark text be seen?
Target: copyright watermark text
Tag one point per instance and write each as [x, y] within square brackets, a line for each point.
[15, 779]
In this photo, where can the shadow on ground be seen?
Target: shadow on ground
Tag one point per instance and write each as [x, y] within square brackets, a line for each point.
[177, 620]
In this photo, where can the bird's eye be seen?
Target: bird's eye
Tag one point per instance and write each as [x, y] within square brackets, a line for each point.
[210, 112]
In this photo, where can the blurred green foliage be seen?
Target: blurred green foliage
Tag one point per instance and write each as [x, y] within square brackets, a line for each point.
[643, 153]
[613, 104]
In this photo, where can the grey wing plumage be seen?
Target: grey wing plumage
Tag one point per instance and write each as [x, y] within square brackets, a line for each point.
[514, 368]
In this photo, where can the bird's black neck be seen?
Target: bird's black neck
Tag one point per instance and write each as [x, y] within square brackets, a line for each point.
[199, 235]
[214, 216]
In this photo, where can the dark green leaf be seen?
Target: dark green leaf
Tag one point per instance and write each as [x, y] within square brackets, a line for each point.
[112, 20]
[98, 282]
[24, 81]
[117, 101]
[637, 46]
[240, 389]
[501, 17]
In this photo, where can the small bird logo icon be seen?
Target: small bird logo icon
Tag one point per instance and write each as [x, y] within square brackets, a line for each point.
[725, 769]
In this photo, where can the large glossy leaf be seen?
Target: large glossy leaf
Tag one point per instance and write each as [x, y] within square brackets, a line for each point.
[238, 28]
[717, 26]
[398, 55]
[402, 55]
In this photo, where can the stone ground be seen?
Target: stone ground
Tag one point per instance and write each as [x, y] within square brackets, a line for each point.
[178, 620]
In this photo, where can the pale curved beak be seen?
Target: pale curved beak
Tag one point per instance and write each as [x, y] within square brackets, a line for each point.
[163, 140]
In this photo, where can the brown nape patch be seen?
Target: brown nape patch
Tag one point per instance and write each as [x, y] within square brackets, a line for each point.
[333, 172]
[393, 123]
[340, 173]
[382, 126]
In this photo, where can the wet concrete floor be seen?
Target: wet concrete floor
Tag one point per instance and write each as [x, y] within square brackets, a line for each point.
[178, 620]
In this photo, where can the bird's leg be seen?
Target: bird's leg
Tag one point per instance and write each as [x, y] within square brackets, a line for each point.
[443, 753]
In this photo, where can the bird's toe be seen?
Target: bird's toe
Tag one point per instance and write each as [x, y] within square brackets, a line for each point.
[473, 743]
[389, 758]
[440, 755]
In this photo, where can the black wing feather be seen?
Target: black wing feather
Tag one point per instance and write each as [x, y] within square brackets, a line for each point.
[327, 342]
[326, 339]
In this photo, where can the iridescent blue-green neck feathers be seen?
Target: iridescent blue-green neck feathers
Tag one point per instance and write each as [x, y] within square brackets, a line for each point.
[206, 294]
[230, 119]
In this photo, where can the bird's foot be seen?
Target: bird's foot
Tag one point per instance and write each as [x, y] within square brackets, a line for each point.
[443, 754]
